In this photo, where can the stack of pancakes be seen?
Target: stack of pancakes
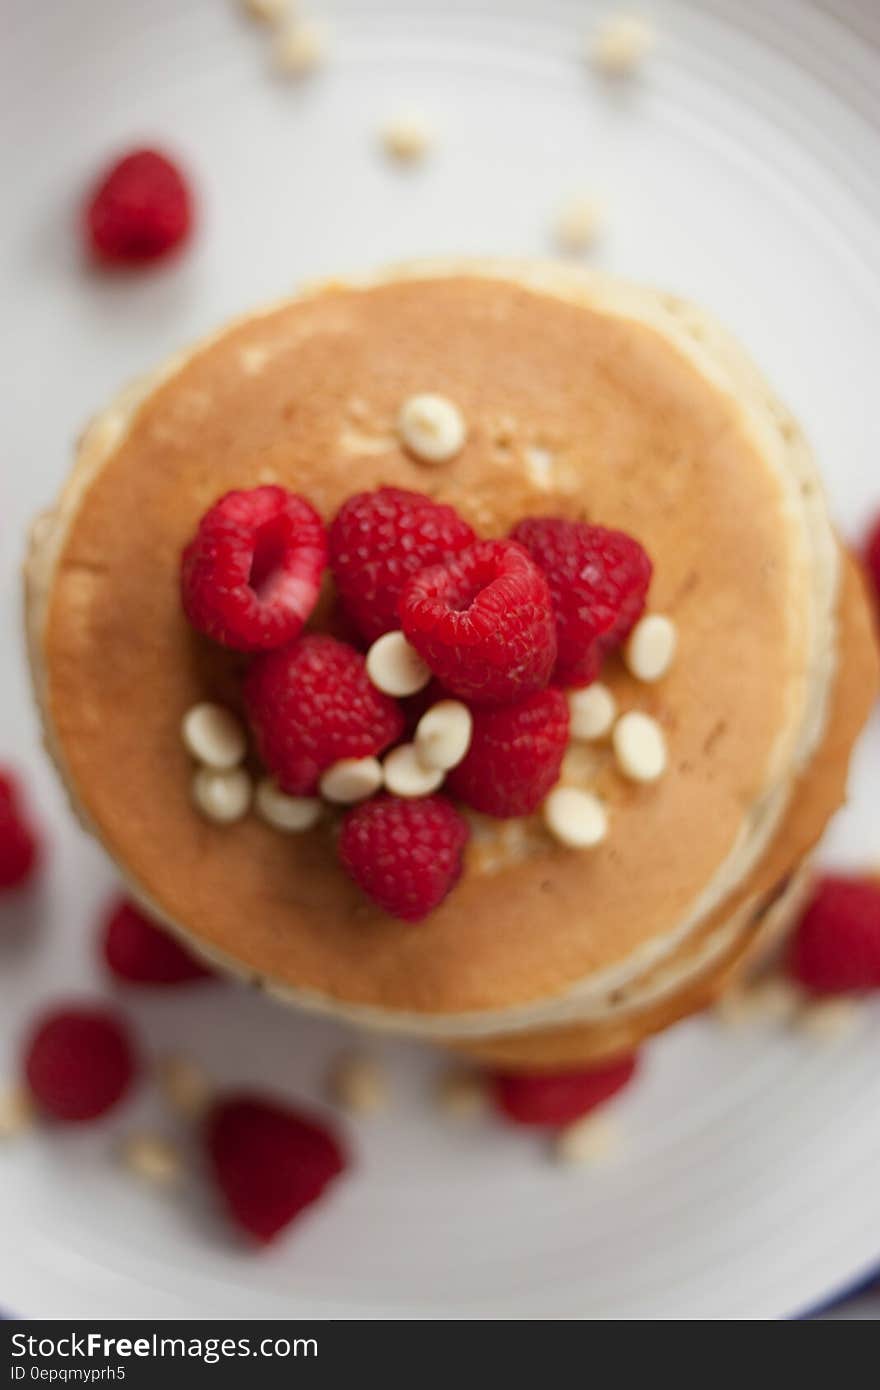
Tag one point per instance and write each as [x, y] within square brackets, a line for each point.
[584, 397]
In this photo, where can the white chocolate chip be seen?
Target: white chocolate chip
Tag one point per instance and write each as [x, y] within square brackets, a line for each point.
[300, 48]
[213, 736]
[184, 1085]
[650, 648]
[640, 747]
[16, 1112]
[359, 1083]
[575, 818]
[289, 813]
[431, 427]
[406, 774]
[395, 667]
[594, 1139]
[621, 45]
[153, 1158]
[591, 712]
[443, 734]
[579, 225]
[223, 797]
[267, 11]
[829, 1020]
[407, 137]
[462, 1093]
[351, 779]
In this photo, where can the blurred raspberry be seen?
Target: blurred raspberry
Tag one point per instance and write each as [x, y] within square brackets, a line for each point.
[559, 1098]
[140, 951]
[836, 948]
[140, 210]
[79, 1062]
[269, 1161]
[19, 847]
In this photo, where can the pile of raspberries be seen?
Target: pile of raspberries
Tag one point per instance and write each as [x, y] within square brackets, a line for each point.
[503, 625]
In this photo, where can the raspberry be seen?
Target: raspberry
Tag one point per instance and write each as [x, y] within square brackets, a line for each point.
[872, 557]
[140, 210]
[515, 756]
[836, 947]
[10, 792]
[379, 540]
[483, 623]
[141, 952]
[251, 574]
[19, 849]
[559, 1098]
[269, 1161]
[598, 583]
[79, 1062]
[311, 704]
[405, 855]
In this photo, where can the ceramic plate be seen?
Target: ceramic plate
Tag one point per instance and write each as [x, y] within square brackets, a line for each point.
[741, 169]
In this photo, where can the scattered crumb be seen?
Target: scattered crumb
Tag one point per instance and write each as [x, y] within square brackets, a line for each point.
[621, 44]
[153, 1158]
[594, 1139]
[770, 1000]
[267, 11]
[16, 1112]
[184, 1085]
[828, 1020]
[407, 137]
[300, 48]
[579, 225]
[461, 1093]
[358, 1083]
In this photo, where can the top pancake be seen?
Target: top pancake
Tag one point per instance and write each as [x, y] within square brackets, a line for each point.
[586, 400]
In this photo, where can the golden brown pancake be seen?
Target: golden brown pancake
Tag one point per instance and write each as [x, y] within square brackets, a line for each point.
[583, 398]
[775, 889]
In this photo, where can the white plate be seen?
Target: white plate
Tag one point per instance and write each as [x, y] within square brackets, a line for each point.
[742, 170]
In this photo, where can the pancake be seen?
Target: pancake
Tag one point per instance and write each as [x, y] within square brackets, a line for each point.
[583, 397]
[771, 899]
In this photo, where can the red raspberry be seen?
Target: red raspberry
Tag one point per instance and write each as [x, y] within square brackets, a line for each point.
[19, 849]
[515, 756]
[836, 947]
[379, 540]
[598, 582]
[140, 210]
[405, 855]
[483, 623]
[79, 1062]
[872, 557]
[313, 703]
[269, 1161]
[141, 952]
[251, 574]
[559, 1098]
[10, 792]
